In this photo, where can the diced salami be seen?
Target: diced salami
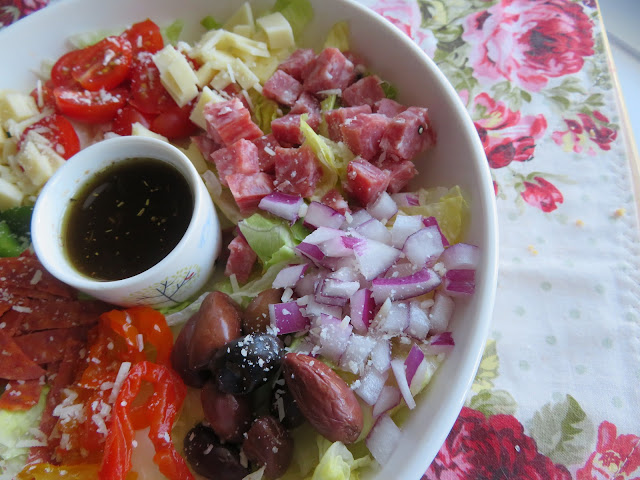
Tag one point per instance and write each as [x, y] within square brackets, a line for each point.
[408, 134]
[14, 364]
[286, 129]
[330, 70]
[26, 277]
[306, 103]
[335, 200]
[22, 395]
[205, 144]
[47, 346]
[297, 171]
[230, 121]
[366, 91]
[363, 132]
[248, 190]
[233, 90]
[388, 107]
[282, 88]
[400, 173]
[241, 259]
[365, 181]
[266, 146]
[240, 157]
[339, 116]
[358, 62]
[298, 63]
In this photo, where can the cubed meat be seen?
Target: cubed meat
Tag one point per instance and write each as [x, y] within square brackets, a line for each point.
[267, 145]
[282, 88]
[365, 181]
[408, 134]
[241, 157]
[298, 63]
[388, 107]
[366, 91]
[330, 70]
[286, 129]
[306, 103]
[335, 200]
[229, 121]
[339, 116]
[297, 171]
[248, 190]
[363, 132]
[205, 144]
[241, 259]
[400, 173]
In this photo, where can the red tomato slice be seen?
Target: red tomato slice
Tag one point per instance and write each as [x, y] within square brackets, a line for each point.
[126, 117]
[148, 94]
[90, 107]
[104, 65]
[59, 131]
[47, 96]
[61, 71]
[144, 37]
[174, 123]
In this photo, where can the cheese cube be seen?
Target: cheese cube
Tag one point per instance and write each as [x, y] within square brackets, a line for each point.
[221, 80]
[277, 29]
[243, 75]
[243, 30]
[10, 195]
[194, 154]
[176, 75]
[17, 106]
[243, 16]
[206, 96]
[36, 165]
[140, 130]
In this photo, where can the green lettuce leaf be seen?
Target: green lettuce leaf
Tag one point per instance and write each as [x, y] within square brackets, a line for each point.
[297, 12]
[171, 33]
[264, 112]
[338, 37]
[243, 294]
[210, 23]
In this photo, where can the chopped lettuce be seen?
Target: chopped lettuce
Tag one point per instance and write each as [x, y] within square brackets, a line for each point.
[390, 91]
[338, 37]
[264, 111]
[337, 462]
[243, 294]
[210, 23]
[86, 39]
[171, 33]
[329, 103]
[297, 12]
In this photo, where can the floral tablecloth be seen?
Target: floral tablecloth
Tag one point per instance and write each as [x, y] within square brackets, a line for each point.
[557, 395]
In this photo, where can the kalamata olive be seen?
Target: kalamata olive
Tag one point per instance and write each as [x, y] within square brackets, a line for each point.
[229, 415]
[180, 357]
[244, 364]
[255, 318]
[209, 458]
[268, 443]
[217, 322]
[285, 408]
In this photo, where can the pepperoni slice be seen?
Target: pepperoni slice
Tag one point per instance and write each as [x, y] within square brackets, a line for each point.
[14, 364]
[21, 395]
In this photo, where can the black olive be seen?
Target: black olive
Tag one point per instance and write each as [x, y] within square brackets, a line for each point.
[209, 458]
[285, 408]
[244, 364]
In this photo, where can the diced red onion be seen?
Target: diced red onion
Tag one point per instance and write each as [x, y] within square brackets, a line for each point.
[357, 353]
[371, 384]
[440, 313]
[392, 318]
[287, 318]
[310, 251]
[322, 234]
[283, 205]
[401, 288]
[313, 308]
[341, 246]
[397, 366]
[361, 313]
[307, 284]
[328, 319]
[429, 221]
[383, 208]
[405, 199]
[461, 255]
[423, 374]
[389, 398]
[326, 300]
[289, 276]
[374, 258]
[346, 274]
[400, 269]
[440, 343]
[321, 215]
[332, 287]
[403, 226]
[424, 247]
[419, 324]
[375, 230]
[333, 339]
[358, 218]
[413, 361]
[459, 283]
[381, 355]
[383, 439]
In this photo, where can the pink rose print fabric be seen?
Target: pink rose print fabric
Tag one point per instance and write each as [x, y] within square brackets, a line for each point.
[617, 457]
[542, 194]
[12, 10]
[584, 131]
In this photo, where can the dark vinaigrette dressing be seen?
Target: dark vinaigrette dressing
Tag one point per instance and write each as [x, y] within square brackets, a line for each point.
[127, 218]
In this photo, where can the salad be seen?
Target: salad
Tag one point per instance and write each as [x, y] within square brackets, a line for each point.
[304, 355]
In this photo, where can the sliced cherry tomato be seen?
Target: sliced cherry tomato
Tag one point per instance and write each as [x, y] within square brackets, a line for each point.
[174, 123]
[104, 65]
[61, 71]
[126, 117]
[60, 133]
[47, 100]
[147, 92]
[144, 37]
[90, 107]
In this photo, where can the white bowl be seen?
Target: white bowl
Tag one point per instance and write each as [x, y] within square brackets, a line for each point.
[458, 159]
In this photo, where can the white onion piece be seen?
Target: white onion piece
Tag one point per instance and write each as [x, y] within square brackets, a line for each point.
[412, 362]
[361, 313]
[401, 288]
[289, 276]
[405, 199]
[371, 384]
[321, 215]
[389, 397]
[440, 343]
[374, 258]
[383, 208]
[333, 339]
[429, 221]
[461, 255]
[309, 251]
[383, 439]
[459, 283]
[357, 353]
[358, 218]
[419, 324]
[397, 366]
[381, 355]
[404, 226]
[287, 318]
[282, 205]
[424, 247]
[375, 230]
[392, 318]
[440, 313]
